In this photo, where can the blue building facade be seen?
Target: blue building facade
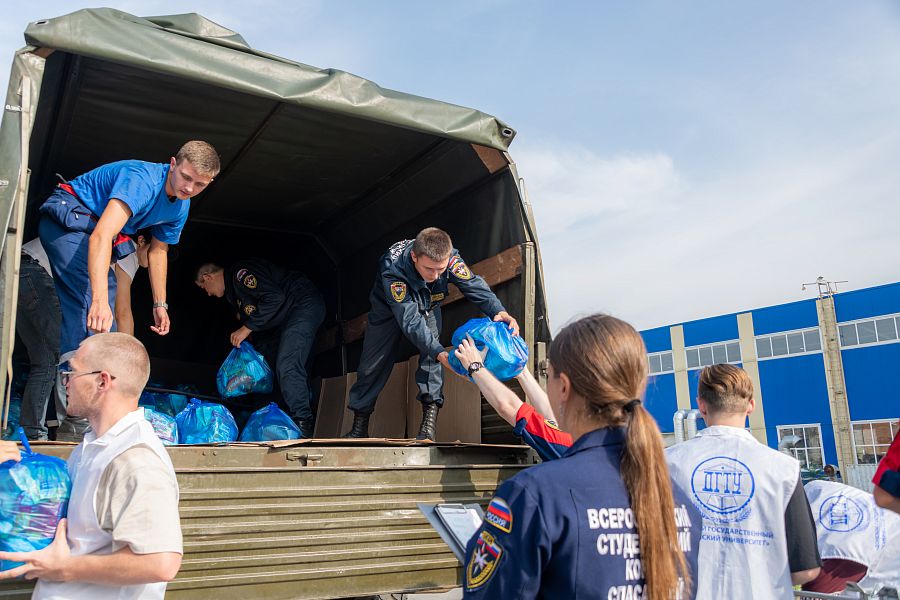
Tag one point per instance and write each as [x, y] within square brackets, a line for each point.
[800, 385]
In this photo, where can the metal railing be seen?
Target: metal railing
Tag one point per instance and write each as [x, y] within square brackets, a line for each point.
[852, 592]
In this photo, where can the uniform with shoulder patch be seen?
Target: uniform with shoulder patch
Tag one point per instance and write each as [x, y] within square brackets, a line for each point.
[404, 305]
[459, 268]
[284, 310]
[565, 529]
[541, 434]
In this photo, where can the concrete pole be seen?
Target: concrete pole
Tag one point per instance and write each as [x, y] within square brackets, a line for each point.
[834, 377]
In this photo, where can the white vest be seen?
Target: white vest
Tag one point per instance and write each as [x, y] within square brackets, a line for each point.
[849, 525]
[86, 466]
[742, 488]
[884, 572]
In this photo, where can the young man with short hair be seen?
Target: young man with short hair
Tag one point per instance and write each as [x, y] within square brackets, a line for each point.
[86, 222]
[759, 538]
[413, 279]
[122, 536]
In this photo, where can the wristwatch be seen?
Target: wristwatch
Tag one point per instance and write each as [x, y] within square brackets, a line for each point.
[474, 368]
[161, 305]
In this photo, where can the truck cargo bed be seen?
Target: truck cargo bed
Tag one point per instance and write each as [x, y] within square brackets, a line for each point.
[319, 519]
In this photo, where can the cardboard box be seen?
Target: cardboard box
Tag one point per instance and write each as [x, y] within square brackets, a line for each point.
[398, 413]
[388, 420]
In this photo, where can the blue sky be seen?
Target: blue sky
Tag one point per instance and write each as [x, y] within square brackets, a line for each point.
[684, 159]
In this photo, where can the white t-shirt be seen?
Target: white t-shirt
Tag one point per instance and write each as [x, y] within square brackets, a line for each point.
[35, 250]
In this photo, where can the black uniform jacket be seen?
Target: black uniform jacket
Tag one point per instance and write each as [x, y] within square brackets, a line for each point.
[263, 293]
[400, 293]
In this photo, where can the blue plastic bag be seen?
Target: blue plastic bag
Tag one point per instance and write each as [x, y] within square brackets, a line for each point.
[168, 404]
[507, 354]
[244, 371]
[270, 423]
[163, 425]
[34, 496]
[205, 423]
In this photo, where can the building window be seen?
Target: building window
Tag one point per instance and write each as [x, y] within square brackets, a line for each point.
[871, 439]
[661, 362]
[713, 354]
[865, 332]
[809, 449]
[789, 343]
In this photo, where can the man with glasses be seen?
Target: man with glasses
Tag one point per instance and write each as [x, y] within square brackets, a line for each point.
[122, 537]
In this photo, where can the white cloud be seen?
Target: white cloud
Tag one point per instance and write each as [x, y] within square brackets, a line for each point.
[575, 185]
[660, 247]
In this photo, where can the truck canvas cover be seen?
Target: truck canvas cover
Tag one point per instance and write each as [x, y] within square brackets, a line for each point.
[322, 171]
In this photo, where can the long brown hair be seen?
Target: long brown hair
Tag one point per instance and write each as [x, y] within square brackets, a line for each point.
[606, 363]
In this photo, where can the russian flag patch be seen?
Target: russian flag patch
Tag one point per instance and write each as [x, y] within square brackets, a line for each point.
[499, 515]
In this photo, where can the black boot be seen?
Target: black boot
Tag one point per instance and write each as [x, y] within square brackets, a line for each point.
[306, 427]
[360, 427]
[429, 422]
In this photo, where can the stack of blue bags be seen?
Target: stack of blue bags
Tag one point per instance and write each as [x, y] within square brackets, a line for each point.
[177, 420]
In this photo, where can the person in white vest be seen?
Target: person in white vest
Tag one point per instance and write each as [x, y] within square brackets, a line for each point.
[852, 531]
[758, 537]
[122, 538]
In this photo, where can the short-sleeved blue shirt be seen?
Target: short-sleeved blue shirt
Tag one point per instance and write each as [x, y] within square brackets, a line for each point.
[142, 186]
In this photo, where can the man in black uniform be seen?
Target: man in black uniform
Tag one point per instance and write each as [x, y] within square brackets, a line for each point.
[269, 297]
[412, 280]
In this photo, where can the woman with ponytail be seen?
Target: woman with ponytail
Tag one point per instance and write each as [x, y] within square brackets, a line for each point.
[605, 520]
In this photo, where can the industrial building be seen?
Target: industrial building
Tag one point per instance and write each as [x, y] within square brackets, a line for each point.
[823, 370]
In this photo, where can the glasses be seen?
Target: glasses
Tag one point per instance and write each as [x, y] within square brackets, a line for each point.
[68, 376]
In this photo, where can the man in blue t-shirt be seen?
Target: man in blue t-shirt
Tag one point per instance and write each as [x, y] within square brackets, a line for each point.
[85, 226]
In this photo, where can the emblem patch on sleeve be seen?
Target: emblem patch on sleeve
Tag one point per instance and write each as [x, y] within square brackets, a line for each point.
[459, 268]
[249, 309]
[249, 282]
[398, 291]
[499, 515]
[239, 276]
[551, 424]
[484, 561]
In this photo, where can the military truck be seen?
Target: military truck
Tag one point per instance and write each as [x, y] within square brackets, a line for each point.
[322, 171]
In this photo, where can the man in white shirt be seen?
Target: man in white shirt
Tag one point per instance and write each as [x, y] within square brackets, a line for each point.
[122, 538]
[758, 537]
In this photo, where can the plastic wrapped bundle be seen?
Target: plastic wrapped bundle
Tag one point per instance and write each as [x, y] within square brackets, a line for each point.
[205, 423]
[507, 354]
[164, 426]
[244, 371]
[270, 423]
[34, 495]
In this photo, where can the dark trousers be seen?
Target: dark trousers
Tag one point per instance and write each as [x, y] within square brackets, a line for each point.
[37, 323]
[291, 344]
[67, 250]
[377, 362]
